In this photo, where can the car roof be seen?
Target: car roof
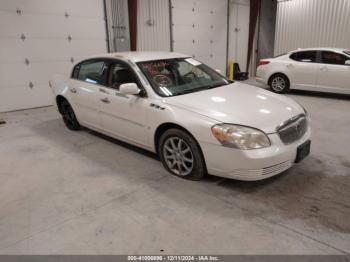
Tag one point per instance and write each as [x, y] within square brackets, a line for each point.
[321, 49]
[140, 56]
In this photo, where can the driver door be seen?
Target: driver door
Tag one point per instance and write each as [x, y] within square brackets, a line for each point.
[124, 116]
[302, 70]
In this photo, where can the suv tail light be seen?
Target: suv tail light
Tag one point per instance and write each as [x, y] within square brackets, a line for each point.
[263, 62]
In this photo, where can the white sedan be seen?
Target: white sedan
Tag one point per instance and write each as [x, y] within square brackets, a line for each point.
[313, 69]
[196, 120]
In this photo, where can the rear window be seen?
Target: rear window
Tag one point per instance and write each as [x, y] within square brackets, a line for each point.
[304, 56]
[75, 73]
[333, 58]
[92, 72]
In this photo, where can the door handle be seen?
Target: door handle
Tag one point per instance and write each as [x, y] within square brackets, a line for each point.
[104, 91]
[73, 90]
[106, 100]
[324, 69]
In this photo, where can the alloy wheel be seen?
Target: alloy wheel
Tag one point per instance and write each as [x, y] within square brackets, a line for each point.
[278, 84]
[178, 156]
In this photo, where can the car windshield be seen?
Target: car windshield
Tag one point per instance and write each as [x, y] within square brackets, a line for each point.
[172, 77]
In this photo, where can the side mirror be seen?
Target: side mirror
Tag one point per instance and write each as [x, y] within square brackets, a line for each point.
[347, 62]
[129, 89]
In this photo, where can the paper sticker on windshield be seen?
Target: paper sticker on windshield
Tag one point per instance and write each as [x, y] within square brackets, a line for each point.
[193, 62]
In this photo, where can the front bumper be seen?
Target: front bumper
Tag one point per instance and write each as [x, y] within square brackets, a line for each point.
[251, 165]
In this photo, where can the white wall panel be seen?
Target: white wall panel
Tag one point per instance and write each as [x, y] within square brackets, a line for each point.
[46, 26]
[239, 32]
[312, 23]
[153, 25]
[200, 30]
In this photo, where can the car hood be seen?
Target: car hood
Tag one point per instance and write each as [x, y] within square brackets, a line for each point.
[240, 104]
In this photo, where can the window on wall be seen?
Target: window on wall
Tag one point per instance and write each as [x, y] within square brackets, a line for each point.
[305, 56]
[92, 72]
[333, 58]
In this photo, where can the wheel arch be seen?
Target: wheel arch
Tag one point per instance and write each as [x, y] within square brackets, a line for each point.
[169, 125]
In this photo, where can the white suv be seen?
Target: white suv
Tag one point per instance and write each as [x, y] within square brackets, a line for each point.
[314, 69]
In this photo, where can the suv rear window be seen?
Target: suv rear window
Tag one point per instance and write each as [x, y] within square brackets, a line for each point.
[304, 56]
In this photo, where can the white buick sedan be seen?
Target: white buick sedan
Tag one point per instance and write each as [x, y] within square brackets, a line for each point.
[196, 120]
[313, 69]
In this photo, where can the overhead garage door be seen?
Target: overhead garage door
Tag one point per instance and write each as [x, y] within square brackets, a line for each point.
[39, 38]
[199, 29]
[239, 32]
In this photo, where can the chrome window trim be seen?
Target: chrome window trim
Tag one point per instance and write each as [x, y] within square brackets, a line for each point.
[128, 63]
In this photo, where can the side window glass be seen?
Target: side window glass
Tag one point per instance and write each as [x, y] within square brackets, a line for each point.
[120, 74]
[333, 58]
[92, 72]
[75, 73]
[305, 56]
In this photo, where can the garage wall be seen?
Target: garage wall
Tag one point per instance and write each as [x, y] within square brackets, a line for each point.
[312, 23]
[153, 25]
[239, 32]
[39, 38]
[199, 29]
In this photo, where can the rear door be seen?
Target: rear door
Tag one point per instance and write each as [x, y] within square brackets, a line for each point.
[87, 79]
[333, 74]
[302, 70]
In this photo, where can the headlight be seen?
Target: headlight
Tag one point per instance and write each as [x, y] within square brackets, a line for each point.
[240, 137]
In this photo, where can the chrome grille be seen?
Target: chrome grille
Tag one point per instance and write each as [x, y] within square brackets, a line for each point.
[293, 129]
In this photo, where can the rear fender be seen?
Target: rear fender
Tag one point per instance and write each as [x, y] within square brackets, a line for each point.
[58, 84]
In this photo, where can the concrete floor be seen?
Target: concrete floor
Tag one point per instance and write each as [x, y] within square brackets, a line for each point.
[64, 192]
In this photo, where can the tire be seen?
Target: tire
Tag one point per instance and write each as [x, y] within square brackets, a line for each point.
[69, 117]
[181, 155]
[279, 84]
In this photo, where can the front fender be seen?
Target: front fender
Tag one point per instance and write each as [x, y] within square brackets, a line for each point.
[199, 126]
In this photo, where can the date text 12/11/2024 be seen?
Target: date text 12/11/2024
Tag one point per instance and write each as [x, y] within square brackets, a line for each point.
[173, 258]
